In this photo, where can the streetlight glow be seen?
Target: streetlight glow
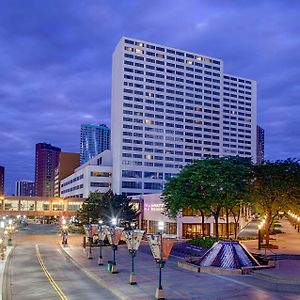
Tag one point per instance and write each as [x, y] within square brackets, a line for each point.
[114, 221]
[161, 225]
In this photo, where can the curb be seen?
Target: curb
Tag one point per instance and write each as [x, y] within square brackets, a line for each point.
[92, 276]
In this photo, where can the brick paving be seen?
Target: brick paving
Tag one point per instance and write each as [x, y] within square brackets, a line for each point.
[177, 283]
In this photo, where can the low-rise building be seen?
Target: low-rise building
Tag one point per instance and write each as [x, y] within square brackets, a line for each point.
[188, 224]
[94, 175]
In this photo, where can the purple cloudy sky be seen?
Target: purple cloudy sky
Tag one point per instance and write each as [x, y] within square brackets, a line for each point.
[55, 59]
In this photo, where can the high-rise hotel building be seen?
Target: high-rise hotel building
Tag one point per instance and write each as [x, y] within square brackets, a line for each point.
[170, 107]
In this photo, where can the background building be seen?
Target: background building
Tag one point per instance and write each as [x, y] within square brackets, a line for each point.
[2, 173]
[46, 161]
[94, 175]
[25, 188]
[93, 140]
[170, 107]
[68, 162]
[260, 145]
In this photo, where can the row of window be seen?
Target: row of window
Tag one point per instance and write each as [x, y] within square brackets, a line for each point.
[179, 73]
[172, 51]
[149, 175]
[72, 180]
[100, 184]
[168, 64]
[187, 85]
[236, 79]
[172, 104]
[138, 185]
[159, 82]
[74, 188]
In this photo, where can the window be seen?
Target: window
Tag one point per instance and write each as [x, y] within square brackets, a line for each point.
[100, 184]
[153, 186]
[100, 174]
[131, 185]
[153, 175]
[131, 174]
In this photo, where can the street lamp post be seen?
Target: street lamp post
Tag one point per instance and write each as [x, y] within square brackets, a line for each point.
[9, 230]
[160, 245]
[89, 233]
[159, 292]
[101, 237]
[133, 238]
[114, 235]
[64, 232]
[259, 236]
[114, 247]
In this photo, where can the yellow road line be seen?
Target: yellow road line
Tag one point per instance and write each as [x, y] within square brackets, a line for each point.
[48, 275]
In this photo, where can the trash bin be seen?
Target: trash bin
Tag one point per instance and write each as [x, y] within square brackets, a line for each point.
[109, 266]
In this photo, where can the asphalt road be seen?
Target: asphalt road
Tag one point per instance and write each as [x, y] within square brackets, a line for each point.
[39, 269]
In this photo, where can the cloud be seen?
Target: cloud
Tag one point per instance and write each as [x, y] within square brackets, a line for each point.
[55, 62]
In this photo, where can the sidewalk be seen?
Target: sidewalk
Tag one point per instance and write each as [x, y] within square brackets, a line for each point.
[177, 283]
[2, 267]
[287, 242]
[286, 271]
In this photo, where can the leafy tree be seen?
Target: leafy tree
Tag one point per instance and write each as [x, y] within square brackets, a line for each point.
[276, 187]
[179, 194]
[105, 206]
[208, 185]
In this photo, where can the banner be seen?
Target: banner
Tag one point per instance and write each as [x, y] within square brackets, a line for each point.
[167, 244]
[118, 235]
[94, 229]
[102, 232]
[154, 241]
[161, 245]
[108, 233]
[133, 238]
[114, 234]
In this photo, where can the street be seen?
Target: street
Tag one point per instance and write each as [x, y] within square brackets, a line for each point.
[39, 269]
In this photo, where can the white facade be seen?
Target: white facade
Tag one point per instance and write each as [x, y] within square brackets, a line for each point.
[94, 175]
[170, 107]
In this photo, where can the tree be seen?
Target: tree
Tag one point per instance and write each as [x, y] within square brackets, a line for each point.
[208, 185]
[276, 187]
[106, 206]
[179, 194]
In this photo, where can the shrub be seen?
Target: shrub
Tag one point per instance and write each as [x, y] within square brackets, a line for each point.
[206, 242]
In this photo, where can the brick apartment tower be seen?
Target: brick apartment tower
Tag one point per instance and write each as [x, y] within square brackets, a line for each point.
[2, 171]
[46, 161]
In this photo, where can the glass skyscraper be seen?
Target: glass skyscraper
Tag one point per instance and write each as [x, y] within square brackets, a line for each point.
[93, 140]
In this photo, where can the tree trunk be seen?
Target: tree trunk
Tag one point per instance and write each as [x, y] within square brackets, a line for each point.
[227, 223]
[236, 219]
[267, 227]
[216, 217]
[203, 222]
